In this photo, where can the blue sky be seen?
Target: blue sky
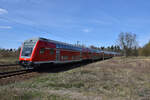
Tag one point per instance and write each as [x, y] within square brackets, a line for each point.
[92, 22]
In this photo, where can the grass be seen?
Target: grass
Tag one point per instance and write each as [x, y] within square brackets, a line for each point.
[8, 60]
[114, 79]
[29, 95]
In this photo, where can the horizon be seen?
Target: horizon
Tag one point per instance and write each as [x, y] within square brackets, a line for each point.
[97, 22]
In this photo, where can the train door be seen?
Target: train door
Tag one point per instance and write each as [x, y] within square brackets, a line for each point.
[80, 55]
[57, 55]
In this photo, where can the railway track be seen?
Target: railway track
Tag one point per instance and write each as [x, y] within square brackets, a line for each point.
[14, 73]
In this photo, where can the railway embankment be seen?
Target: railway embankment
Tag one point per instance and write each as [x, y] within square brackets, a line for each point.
[113, 79]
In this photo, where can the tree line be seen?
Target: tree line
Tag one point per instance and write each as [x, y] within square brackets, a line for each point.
[127, 45]
[145, 50]
[112, 48]
[9, 52]
[130, 46]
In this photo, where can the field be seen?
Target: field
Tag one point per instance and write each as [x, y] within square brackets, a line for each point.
[113, 79]
[8, 60]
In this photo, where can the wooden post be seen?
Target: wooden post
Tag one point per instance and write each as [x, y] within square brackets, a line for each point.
[103, 55]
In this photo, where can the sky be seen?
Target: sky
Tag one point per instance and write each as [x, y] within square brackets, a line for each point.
[91, 22]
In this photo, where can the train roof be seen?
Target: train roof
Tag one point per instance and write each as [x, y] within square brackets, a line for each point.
[58, 44]
[48, 40]
[32, 39]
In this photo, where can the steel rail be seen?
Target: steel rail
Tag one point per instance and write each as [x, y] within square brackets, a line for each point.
[7, 65]
[14, 73]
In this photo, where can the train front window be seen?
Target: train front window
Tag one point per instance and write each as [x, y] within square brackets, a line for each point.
[27, 48]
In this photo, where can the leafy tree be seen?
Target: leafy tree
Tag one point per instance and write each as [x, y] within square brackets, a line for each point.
[145, 51]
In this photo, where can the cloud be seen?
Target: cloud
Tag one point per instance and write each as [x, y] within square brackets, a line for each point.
[3, 11]
[5, 27]
[86, 30]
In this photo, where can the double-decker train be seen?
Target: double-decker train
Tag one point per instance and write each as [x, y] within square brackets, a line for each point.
[38, 51]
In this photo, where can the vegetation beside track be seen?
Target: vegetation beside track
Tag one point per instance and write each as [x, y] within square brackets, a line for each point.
[8, 60]
[113, 79]
[10, 68]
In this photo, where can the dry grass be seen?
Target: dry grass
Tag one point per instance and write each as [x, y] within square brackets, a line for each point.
[10, 68]
[8, 60]
[114, 79]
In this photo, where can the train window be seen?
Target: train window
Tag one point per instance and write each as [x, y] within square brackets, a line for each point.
[42, 50]
[73, 57]
[51, 51]
[57, 45]
[61, 46]
[64, 57]
[65, 46]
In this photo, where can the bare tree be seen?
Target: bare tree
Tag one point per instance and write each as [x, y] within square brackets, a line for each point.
[127, 42]
[102, 48]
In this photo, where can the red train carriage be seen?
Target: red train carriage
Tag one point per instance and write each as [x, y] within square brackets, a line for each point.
[37, 51]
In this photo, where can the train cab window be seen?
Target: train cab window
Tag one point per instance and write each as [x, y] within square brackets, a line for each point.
[42, 50]
[51, 51]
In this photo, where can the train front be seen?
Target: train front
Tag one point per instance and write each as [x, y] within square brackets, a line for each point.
[27, 52]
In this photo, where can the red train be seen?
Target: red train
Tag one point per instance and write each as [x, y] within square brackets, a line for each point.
[38, 51]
